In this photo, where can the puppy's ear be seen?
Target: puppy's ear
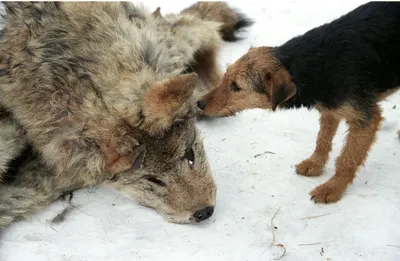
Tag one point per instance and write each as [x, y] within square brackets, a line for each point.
[167, 101]
[280, 87]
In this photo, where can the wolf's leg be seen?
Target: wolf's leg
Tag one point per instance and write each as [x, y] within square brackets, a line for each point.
[12, 140]
[33, 186]
[18, 203]
[228, 22]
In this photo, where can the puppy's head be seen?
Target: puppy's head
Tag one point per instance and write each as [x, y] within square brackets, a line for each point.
[256, 80]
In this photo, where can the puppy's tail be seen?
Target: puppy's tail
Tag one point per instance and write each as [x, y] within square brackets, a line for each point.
[232, 20]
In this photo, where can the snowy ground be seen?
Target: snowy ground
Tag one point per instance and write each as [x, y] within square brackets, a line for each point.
[364, 225]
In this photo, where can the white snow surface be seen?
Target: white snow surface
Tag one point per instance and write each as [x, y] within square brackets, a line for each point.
[364, 225]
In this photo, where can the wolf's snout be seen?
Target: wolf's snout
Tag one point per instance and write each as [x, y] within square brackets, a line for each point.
[203, 214]
[201, 104]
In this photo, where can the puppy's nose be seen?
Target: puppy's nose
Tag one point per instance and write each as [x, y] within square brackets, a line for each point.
[201, 104]
[203, 214]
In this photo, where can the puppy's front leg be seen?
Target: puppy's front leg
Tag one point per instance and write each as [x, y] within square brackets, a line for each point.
[314, 165]
[359, 140]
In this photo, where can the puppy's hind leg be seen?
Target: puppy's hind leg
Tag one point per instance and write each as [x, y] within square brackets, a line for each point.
[362, 133]
[314, 165]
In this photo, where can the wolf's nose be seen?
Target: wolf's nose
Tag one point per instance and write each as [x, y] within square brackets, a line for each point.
[203, 214]
[201, 104]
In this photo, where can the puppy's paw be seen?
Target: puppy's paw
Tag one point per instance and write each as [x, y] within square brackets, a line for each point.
[329, 192]
[310, 168]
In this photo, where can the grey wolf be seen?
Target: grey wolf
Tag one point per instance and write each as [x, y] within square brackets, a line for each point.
[105, 94]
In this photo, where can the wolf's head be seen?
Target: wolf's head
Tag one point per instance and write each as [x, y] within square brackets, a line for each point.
[174, 176]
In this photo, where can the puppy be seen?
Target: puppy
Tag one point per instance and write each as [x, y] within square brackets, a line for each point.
[343, 69]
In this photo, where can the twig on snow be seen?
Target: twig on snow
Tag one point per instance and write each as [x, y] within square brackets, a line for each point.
[265, 152]
[60, 217]
[272, 227]
[284, 251]
[322, 215]
[315, 243]
[273, 236]
[310, 244]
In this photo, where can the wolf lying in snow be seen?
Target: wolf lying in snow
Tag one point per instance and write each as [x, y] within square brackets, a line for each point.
[104, 93]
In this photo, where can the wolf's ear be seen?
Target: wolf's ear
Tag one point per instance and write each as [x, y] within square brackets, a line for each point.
[117, 161]
[167, 101]
[280, 87]
[157, 12]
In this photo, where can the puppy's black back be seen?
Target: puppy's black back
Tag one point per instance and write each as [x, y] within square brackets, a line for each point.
[352, 59]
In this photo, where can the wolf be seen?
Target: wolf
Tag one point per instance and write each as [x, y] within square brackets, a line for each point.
[105, 94]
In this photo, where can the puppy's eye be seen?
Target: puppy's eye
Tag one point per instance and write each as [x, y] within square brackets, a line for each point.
[189, 156]
[155, 180]
[235, 87]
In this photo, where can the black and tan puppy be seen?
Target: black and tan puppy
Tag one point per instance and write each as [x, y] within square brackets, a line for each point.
[343, 69]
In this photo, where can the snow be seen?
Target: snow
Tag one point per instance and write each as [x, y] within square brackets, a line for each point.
[364, 225]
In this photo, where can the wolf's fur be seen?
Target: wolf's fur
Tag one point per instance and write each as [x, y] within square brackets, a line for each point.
[12, 140]
[97, 88]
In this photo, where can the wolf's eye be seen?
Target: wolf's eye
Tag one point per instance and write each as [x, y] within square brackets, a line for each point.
[189, 156]
[155, 180]
[235, 87]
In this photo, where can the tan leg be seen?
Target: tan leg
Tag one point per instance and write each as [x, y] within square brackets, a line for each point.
[314, 165]
[355, 151]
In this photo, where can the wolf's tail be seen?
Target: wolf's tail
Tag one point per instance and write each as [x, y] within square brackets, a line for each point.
[232, 20]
